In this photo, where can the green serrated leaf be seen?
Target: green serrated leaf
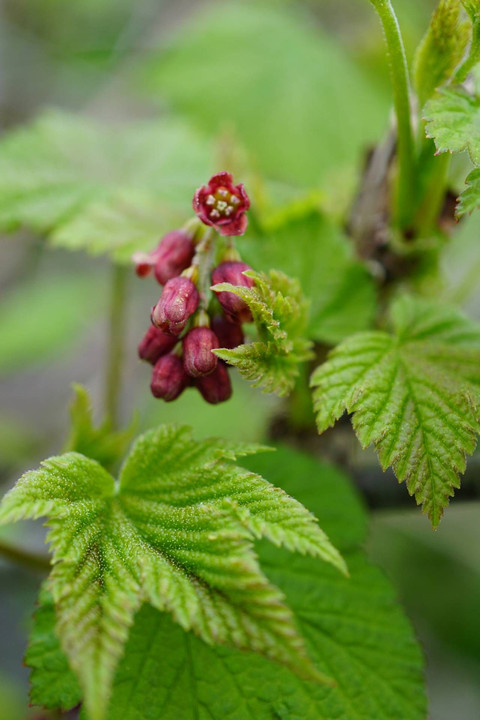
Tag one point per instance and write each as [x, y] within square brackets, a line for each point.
[414, 394]
[280, 314]
[453, 121]
[101, 443]
[469, 200]
[99, 188]
[354, 629]
[441, 50]
[177, 531]
[309, 247]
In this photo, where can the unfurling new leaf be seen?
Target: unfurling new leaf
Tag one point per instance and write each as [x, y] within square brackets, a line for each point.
[177, 531]
[441, 50]
[281, 316]
[102, 443]
[414, 394]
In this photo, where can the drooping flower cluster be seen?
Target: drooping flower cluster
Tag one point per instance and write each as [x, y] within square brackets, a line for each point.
[189, 322]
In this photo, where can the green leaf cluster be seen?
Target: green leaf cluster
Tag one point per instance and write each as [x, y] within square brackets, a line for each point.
[97, 187]
[176, 530]
[280, 313]
[354, 629]
[414, 394]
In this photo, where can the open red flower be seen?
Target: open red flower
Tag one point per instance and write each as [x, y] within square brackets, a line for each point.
[222, 205]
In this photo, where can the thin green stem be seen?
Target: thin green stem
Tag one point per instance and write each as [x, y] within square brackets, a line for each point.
[406, 183]
[115, 349]
[31, 560]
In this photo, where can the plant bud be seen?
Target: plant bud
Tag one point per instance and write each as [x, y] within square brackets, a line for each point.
[229, 334]
[179, 300]
[169, 378]
[216, 387]
[175, 254]
[155, 343]
[198, 358]
[235, 308]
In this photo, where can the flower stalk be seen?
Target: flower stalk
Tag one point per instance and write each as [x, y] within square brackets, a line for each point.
[407, 178]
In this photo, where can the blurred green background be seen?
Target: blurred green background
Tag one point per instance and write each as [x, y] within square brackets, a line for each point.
[294, 92]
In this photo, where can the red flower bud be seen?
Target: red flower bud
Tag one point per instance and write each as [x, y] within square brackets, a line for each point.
[222, 205]
[155, 343]
[178, 302]
[169, 378]
[198, 358]
[235, 308]
[173, 255]
[216, 387]
[229, 334]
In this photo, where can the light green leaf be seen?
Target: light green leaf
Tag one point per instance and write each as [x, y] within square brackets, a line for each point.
[355, 630]
[95, 187]
[280, 314]
[414, 394]
[101, 443]
[469, 200]
[176, 531]
[441, 50]
[453, 121]
[261, 73]
[309, 247]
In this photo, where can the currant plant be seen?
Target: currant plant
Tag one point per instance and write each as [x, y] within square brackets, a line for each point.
[171, 592]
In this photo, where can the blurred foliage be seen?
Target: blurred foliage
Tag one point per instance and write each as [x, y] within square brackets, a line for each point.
[91, 186]
[285, 90]
[40, 319]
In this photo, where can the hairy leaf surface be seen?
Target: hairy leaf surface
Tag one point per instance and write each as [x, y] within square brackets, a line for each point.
[175, 530]
[453, 121]
[414, 394]
[354, 629]
[280, 314]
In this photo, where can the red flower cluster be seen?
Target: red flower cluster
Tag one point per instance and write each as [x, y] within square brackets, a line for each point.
[185, 328]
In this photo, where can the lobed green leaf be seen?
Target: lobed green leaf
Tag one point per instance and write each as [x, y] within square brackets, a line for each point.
[176, 530]
[414, 394]
[453, 121]
[354, 628]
